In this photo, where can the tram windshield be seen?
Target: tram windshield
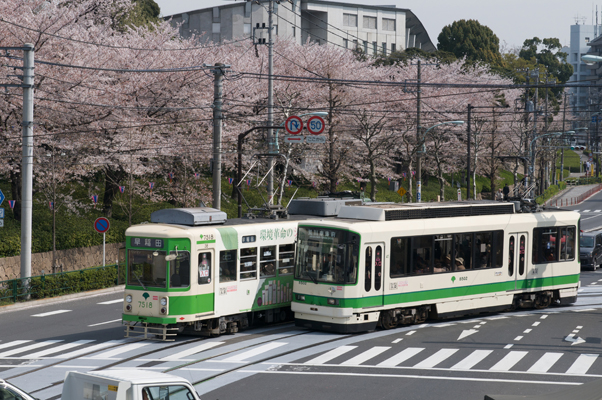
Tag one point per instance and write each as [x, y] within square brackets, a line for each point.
[147, 268]
[326, 255]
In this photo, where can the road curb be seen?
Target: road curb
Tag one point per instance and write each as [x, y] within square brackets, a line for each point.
[60, 299]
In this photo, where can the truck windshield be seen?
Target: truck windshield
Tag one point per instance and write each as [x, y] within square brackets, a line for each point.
[147, 268]
[325, 255]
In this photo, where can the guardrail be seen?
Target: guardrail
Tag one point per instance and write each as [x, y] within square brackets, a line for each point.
[571, 201]
[51, 285]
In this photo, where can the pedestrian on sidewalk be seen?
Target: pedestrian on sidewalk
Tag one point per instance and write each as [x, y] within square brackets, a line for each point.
[499, 196]
[506, 191]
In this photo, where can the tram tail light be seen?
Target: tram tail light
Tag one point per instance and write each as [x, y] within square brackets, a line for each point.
[333, 302]
[128, 307]
[300, 297]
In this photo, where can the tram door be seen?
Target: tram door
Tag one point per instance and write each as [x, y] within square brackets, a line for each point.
[205, 278]
[373, 273]
[517, 259]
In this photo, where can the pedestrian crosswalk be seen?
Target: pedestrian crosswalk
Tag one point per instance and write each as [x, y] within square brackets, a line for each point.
[459, 359]
[394, 356]
[588, 211]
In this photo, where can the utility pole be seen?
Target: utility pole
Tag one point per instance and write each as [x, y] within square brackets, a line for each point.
[270, 136]
[27, 165]
[562, 149]
[468, 138]
[218, 75]
[418, 141]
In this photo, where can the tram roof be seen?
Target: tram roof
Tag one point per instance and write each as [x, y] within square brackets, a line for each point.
[394, 212]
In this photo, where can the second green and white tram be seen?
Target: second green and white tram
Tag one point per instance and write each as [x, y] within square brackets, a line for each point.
[390, 264]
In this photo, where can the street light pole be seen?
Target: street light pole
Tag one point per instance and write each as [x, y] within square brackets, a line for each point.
[468, 138]
[532, 150]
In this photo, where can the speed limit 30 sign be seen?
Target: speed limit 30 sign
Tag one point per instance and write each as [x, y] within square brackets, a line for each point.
[315, 125]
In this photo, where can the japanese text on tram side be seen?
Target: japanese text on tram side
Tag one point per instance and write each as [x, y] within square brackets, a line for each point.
[276, 233]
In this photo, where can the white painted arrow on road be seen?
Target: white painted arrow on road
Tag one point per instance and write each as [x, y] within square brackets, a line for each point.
[467, 333]
[573, 339]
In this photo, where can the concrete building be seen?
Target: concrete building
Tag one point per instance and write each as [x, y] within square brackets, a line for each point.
[582, 37]
[374, 29]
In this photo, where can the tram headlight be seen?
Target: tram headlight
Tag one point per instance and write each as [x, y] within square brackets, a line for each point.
[333, 302]
[163, 301]
[128, 298]
[301, 297]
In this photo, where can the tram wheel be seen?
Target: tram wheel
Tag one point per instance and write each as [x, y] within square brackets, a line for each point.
[388, 320]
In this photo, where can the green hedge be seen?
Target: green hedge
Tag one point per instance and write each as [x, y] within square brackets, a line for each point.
[550, 192]
[62, 283]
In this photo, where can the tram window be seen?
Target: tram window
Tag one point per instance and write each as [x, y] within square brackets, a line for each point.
[368, 269]
[248, 263]
[443, 253]
[180, 270]
[227, 265]
[511, 256]
[378, 264]
[422, 247]
[267, 261]
[545, 245]
[399, 257]
[521, 254]
[498, 249]
[463, 253]
[204, 268]
[567, 243]
[286, 258]
[483, 243]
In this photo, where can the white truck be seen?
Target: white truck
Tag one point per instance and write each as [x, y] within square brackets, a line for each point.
[126, 384]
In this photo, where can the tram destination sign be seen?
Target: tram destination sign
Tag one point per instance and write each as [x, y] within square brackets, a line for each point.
[145, 242]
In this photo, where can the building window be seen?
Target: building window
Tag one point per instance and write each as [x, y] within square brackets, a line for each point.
[346, 43]
[350, 20]
[247, 29]
[388, 24]
[392, 47]
[575, 57]
[215, 12]
[384, 48]
[276, 30]
[369, 22]
[294, 32]
[365, 47]
[216, 27]
[374, 48]
[355, 44]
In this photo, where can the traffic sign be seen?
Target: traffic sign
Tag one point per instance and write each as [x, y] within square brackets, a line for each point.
[315, 125]
[294, 139]
[401, 191]
[101, 225]
[1, 223]
[293, 125]
[1, 212]
[1, 197]
[315, 139]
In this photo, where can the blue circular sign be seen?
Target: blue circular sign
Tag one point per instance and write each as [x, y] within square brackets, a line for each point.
[101, 225]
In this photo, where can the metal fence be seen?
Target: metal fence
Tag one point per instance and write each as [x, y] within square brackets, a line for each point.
[51, 285]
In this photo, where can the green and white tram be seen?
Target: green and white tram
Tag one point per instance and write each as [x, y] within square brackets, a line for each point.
[193, 270]
[389, 264]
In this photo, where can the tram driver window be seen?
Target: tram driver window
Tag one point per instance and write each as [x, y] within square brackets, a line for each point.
[204, 268]
[544, 245]
[399, 257]
[227, 265]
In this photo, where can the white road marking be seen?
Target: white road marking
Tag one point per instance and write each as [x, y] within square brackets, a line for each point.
[509, 361]
[27, 348]
[191, 351]
[107, 355]
[436, 358]
[582, 364]
[527, 330]
[53, 350]
[473, 359]
[401, 357]
[579, 327]
[51, 313]
[254, 352]
[90, 349]
[13, 343]
[334, 353]
[536, 323]
[544, 316]
[410, 333]
[508, 346]
[112, 301]
[108, 322]
[545, 362]
[518, 338]
[397, 340]
[366, 355]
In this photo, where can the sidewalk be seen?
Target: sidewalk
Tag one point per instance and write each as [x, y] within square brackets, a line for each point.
[573, 195]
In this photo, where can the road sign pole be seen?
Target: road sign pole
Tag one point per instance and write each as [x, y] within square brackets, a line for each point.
[104, 236]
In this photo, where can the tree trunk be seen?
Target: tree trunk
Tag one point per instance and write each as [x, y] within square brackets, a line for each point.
[112, 180]
[15, 188]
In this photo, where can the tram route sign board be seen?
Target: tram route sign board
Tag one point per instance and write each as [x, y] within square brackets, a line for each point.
[101, 225]
[293, 125]
[1, 197]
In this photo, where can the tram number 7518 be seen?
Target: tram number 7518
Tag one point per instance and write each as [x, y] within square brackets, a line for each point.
[145, 304]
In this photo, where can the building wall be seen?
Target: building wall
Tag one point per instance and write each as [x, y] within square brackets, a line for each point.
[321, 22]
[68, 260]
[581, 35]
